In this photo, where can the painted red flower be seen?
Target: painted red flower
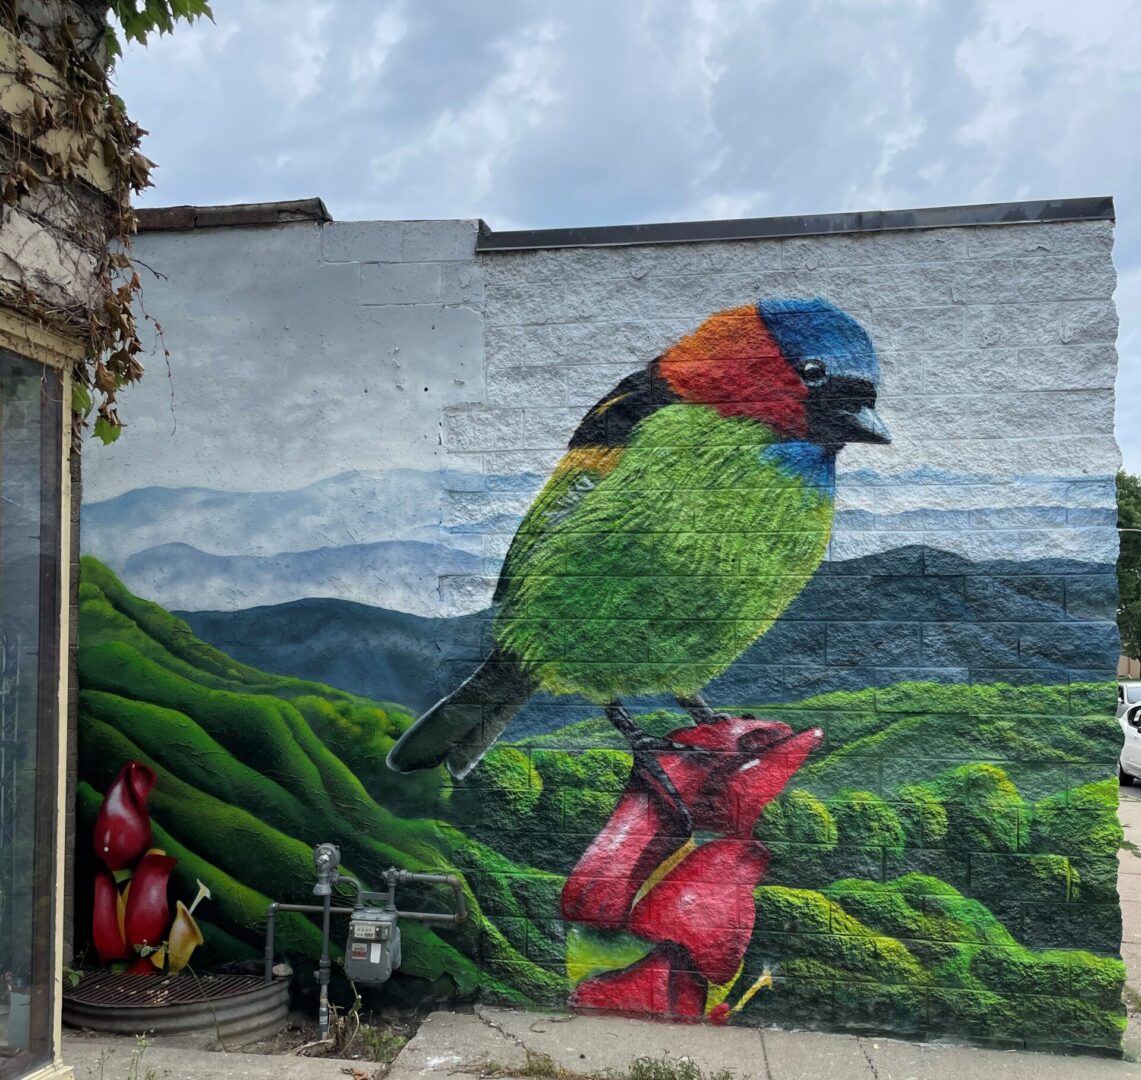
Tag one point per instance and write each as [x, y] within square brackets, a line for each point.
[646, 873]
[148, 910]
[705, 904]
[657, 985]
[641, 833]
[123, 826]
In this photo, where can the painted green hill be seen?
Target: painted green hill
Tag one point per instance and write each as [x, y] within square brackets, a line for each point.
[943, 865]
[249, 780]
[914, 956]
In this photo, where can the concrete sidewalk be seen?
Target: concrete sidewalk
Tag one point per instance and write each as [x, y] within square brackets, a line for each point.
[451, 1044]
[117, 1059]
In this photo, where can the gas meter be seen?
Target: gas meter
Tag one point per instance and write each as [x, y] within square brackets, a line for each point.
[372, 952]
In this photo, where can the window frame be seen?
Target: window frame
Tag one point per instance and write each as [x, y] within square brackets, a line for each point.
[54, 357]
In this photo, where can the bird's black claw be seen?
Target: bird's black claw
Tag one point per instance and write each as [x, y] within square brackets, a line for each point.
[658, 783]
[700, 711]
[646, 748]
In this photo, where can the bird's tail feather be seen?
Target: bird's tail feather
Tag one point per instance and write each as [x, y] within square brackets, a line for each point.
[460, 729]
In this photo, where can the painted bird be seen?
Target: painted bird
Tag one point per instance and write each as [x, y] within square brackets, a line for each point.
[692, 506]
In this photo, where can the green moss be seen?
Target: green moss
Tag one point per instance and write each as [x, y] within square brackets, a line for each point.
[862, 817]
[923, 817]
[882, 946]
[800, 817]
[984, 811]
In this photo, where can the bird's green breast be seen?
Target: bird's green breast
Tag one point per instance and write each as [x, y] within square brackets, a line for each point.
[653, 569]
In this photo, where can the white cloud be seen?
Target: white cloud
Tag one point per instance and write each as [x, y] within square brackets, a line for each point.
[368, 57]
[465, 144]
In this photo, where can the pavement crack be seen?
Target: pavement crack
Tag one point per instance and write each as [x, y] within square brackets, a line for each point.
[868, 1058]
[487, 1021]
[765, 1057]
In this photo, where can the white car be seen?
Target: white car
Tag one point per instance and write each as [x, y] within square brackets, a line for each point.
[1129, 717]
[1128, 695]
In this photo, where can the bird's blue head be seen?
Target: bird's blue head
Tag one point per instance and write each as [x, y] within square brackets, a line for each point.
[833, 357]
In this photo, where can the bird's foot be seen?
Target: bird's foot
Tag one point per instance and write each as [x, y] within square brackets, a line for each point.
[657, 781]
[647, 764]
[701, 712]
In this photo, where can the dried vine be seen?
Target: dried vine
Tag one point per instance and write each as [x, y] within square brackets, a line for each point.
[69, 121]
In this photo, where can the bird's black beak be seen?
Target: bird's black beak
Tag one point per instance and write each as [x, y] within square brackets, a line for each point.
[843, 411]
[863, 425]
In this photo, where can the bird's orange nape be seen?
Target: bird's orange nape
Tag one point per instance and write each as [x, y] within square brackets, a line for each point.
[732, 363]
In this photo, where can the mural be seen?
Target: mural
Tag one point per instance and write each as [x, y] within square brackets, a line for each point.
[715, 726]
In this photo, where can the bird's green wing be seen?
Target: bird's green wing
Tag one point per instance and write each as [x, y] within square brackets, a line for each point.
[594, 450]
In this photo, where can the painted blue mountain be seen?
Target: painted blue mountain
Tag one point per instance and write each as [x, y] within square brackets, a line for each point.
[349, 508]
[402, 575]
[910, 613]
[201, 549]
[396, 656]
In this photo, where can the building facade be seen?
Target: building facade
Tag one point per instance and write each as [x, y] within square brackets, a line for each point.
[730, 603]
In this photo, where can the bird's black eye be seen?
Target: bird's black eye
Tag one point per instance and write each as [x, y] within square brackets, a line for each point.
[813, 372]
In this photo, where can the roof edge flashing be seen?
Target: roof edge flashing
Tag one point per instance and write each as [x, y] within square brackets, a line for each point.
[1094, 208]
[181, 218]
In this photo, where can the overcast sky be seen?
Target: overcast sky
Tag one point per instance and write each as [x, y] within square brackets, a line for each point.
[532, 113]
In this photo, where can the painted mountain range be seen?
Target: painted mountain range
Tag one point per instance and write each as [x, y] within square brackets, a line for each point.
[859, 623]
[402, 575]
[385, 539]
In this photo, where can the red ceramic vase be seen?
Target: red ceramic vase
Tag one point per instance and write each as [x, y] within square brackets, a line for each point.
[106, 933]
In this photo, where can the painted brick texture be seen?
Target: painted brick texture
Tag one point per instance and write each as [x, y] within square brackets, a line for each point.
[510, 542]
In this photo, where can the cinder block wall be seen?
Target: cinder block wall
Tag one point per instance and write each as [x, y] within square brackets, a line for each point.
[900, 815]
[954, 831]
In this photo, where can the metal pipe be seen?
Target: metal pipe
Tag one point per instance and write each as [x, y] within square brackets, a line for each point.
[323, 970]
[458, 889]
[270, 918]
[349, 879]
[313, 909]
[405, 876]
[433, 917]
[326, 878]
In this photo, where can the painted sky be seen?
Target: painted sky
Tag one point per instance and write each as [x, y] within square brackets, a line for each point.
[532, 113]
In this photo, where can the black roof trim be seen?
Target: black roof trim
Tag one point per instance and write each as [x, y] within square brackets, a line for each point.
[173, 218]
[1096, 208]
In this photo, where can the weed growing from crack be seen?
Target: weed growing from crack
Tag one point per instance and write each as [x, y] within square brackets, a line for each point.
[382, 1044]
[645, 1068]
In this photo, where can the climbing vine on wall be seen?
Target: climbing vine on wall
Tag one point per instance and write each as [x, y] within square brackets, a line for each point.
[65, 122]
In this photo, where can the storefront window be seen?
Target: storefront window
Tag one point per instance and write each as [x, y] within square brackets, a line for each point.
[30, 433]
